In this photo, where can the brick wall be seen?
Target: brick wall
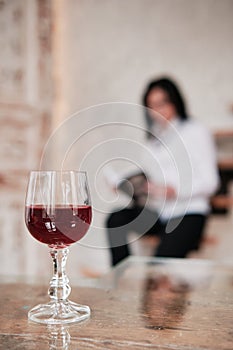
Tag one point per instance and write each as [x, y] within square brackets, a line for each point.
[25, 113]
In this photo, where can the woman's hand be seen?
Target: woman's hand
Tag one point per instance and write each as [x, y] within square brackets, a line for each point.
[158, 191]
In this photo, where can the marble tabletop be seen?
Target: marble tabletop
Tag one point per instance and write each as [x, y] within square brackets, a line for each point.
[143, 303]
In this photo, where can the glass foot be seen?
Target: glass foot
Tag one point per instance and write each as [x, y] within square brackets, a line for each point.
[59, 313]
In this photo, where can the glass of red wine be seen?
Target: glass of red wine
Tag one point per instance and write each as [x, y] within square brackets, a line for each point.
[58, 213]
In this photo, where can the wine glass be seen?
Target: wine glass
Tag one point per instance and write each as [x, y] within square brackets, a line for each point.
[58, 213]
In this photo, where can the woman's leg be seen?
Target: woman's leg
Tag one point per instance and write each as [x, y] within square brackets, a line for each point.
[120, 223]
[184, 238]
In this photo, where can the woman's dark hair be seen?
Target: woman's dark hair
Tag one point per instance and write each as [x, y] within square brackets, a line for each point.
[174, 97]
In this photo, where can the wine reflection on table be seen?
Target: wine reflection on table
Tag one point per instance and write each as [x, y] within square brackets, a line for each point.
[59, 337]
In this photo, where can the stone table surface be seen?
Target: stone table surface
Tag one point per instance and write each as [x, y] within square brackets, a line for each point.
[143, 303]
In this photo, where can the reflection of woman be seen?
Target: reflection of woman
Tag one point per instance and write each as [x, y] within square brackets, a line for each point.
[181, 184]
[163, 304]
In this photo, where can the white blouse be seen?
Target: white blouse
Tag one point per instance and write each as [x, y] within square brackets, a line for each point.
[182, 156]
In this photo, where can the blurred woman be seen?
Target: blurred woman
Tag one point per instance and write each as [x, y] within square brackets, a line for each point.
[180, 182]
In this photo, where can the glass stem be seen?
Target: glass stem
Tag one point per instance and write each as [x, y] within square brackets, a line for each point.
[59, 289]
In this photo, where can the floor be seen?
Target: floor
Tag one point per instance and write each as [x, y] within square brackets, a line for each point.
[218, 243]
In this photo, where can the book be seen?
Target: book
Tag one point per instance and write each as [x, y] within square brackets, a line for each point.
[133, 184]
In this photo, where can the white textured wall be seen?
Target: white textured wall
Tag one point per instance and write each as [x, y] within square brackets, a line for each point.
[113, 47]
[102, 51]
[108, 50]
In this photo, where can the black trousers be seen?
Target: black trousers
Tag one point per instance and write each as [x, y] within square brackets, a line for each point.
[185, 235]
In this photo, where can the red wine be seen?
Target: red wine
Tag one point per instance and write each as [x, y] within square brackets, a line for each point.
[60, 227]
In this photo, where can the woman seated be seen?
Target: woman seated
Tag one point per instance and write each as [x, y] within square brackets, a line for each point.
[179, 183]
